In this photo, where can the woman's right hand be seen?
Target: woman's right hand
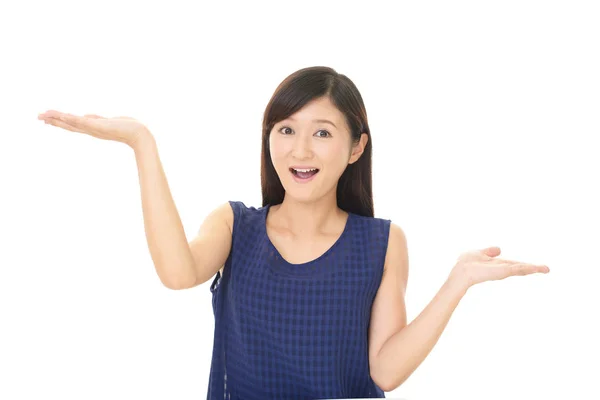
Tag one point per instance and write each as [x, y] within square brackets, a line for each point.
[121, 129]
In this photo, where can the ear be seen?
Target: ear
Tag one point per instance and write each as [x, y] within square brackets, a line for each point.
[358, 148]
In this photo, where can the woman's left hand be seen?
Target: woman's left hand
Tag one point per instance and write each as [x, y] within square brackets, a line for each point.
[474, 267]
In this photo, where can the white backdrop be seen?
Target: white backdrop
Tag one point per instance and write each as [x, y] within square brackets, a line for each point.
[484, 121]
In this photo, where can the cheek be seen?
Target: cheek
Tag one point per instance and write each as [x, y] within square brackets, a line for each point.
[336, 155]
[277, 150]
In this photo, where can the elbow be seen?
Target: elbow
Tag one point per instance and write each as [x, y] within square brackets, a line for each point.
[174, 286]
[384, 379]
[385, 384]
[176, 278]
[378, 376]
[178, 283]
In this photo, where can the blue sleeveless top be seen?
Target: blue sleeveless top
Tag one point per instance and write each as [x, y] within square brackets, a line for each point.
[295, 331]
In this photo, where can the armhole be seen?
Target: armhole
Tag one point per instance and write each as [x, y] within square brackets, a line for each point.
[385, 241]
[236, 206]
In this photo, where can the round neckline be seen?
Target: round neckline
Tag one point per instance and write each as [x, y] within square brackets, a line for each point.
[279, 264]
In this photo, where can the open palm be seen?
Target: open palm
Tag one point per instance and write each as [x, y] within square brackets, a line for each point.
[479, 266]
[121, 129]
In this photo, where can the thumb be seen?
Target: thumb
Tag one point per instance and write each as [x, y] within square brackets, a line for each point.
[491, 251]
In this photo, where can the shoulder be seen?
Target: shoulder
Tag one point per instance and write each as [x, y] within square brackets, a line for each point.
[396, 238]
[379, 225]
[396, 259]
[396, 245]
[393, 238]
[382, 229]
[241, 208]
[389, 235]
[244, 214]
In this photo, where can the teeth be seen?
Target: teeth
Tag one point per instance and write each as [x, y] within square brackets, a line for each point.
[305, 170]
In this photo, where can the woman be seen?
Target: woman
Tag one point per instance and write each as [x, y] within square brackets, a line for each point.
[308, 290]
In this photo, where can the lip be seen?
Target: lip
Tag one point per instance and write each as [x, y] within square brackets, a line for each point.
[297, 179]
[302, 167]
[300, 180]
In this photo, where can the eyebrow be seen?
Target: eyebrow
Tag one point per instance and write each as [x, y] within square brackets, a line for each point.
[326, 121]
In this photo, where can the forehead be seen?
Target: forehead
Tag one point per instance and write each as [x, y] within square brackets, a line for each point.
[321, 108]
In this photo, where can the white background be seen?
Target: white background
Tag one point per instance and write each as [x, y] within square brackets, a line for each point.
[484, 120]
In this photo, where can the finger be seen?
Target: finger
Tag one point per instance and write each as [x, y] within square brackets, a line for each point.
[491, 251]
[94, 116]
[49, 114]
[505, 261]
[528, 269]
[61, 124]
[88, 125]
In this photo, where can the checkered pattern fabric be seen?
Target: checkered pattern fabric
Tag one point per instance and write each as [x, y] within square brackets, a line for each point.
[295, 331]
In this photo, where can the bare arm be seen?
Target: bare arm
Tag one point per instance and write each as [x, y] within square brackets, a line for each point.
[179, 264]
[211, 246]
[404, 351]
[397, 349]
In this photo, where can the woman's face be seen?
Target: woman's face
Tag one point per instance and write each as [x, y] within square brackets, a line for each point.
[310, 154]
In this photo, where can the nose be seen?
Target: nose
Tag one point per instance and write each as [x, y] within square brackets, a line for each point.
[302, 149]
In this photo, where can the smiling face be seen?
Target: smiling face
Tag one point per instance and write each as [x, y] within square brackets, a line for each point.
[310, 154]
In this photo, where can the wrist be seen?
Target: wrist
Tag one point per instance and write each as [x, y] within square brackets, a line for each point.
[457, 285]
[143, 141]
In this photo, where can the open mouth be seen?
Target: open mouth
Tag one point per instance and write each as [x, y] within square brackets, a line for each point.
[304, 173]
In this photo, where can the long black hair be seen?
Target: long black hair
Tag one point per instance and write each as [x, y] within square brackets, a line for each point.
[354, 189]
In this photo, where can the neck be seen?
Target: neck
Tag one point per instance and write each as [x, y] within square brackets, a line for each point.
[308, 219]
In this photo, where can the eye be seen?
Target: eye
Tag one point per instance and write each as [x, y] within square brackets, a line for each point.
[288, 131]
[326, 133]
[285, 127]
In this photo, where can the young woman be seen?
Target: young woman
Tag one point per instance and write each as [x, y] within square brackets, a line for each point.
[308, 289]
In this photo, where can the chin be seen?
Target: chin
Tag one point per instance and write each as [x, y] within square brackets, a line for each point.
[300, 194]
